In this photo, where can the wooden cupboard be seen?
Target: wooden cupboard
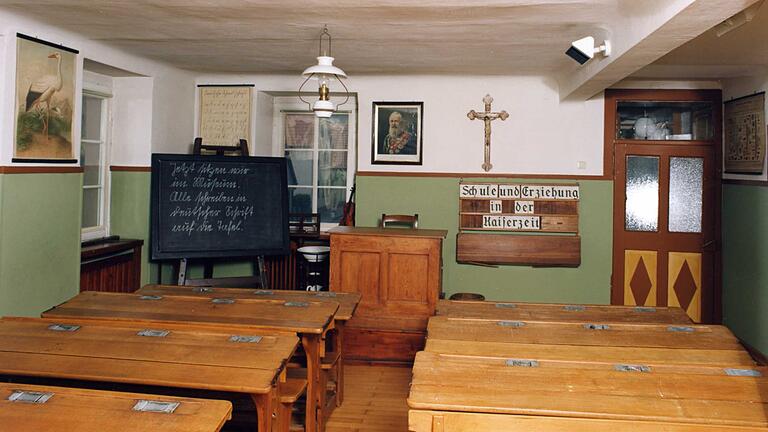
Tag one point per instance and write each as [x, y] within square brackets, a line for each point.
[398, 274]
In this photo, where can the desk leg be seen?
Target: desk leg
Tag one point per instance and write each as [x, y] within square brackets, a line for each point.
[311, 344]
[265, 407]
[340, 374]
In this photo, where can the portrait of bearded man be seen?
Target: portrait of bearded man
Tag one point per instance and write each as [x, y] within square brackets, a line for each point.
[399, 140]
[397, 133]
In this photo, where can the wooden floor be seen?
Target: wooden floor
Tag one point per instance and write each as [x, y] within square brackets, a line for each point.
[374, 400]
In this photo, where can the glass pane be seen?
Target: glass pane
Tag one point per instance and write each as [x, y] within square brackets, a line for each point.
[299, 167]
[330, 204]
[334, 132]
[642, 190]
[649, 120]
[90, 160]
[686, 182]
[299, 131]
[91, 198]
[332, 169]
[300, 200]
[92, 118]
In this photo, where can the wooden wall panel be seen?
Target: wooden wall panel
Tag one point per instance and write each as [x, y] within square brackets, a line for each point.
[408, 286]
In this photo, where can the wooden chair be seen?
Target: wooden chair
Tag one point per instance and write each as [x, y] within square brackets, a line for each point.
[409, 221]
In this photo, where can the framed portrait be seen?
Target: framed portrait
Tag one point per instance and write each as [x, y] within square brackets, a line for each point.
[45, 102]
[397, 133]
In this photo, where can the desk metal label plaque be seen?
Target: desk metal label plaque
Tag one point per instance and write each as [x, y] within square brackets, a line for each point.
[156, 406]
[597, 326]
[64, 327]
[632, 368]
[296, 304]
[245, 339]
[506, 305]
[29, 397]
[743, 372]
[223, 301]
[522, 363]
[515, 324]
[574, 308]
[263, 292]
[153, 333]
[151, 297]
[644, 309]
[681, 329]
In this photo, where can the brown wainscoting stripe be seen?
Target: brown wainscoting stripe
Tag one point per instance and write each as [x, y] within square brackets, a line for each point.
[483, 175]
[130, 168]
[40, 170]
[745, 182]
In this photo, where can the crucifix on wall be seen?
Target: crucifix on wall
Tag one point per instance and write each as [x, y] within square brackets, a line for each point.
[487, 117]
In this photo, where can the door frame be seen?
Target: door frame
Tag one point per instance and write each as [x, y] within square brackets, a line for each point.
[612, 97]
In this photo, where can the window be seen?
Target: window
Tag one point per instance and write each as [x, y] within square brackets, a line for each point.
[321, 161]
[94, 149]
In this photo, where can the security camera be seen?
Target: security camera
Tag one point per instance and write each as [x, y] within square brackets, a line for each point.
[584, 49]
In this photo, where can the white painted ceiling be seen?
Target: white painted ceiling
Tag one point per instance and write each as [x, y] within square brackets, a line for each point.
[511, 37]
[741, 52]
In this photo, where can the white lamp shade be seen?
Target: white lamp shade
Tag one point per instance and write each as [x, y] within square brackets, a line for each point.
[323, 108]
[324, 66]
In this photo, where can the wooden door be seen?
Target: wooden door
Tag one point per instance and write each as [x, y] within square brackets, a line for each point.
[666, 224]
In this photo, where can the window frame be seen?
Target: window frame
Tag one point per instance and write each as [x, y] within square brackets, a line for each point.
[105, 140]
[291, 105]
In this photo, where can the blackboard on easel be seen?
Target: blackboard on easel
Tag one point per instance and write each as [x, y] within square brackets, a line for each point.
[218, 206]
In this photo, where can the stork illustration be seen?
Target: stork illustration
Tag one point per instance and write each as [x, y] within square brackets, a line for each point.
[41, 92]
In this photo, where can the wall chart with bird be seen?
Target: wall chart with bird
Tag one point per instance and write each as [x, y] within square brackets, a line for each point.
[45, 101]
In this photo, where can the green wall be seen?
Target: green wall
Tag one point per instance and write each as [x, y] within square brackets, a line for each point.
[39, 241]
[129, 211]
[745, 263]
[436, 200]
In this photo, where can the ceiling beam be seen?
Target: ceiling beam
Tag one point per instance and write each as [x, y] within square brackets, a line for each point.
[644, 39]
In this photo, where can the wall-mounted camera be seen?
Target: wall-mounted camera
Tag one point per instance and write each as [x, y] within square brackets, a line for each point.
[584, 49]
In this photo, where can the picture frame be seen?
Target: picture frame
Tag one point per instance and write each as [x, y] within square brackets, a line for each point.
[397, 133]
[45, 102]
[744, 143]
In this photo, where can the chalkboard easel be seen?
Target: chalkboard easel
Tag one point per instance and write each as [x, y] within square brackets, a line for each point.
[220, 153]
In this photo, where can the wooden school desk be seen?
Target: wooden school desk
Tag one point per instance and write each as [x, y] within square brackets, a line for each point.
[156, 356]
[585, 334]
[561, 312]
[347, 305]
[448, 392]
[309, 319]
[46, 408]
[643, 343]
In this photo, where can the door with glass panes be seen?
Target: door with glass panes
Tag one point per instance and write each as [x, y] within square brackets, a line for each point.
[666, 200]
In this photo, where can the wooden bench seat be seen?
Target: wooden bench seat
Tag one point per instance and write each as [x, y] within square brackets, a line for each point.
[289, 393]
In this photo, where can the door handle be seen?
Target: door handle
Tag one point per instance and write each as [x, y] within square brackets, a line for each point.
[707, 244]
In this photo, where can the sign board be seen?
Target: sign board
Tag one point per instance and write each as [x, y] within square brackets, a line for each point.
[519, 207]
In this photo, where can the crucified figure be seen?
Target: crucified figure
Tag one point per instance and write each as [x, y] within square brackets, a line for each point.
[487, 117]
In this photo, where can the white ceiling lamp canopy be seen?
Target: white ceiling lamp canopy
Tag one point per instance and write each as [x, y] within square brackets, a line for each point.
[324, 72]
